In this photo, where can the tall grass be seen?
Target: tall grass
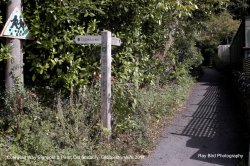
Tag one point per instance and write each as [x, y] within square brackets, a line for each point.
[46, 123]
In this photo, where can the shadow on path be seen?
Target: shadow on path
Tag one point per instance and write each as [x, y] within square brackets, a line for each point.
[213, 128]
[207, 128]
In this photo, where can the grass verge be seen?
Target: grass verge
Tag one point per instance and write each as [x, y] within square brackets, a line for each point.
[43, 127]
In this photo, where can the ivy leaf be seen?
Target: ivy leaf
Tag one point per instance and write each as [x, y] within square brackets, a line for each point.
[33, 77]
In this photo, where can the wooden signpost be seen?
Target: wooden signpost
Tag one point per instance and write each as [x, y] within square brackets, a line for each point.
[106, 41]
[95, 40]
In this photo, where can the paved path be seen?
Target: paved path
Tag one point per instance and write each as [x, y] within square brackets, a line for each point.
[205, 128]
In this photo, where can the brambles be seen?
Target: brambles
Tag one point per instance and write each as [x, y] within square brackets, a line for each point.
[70, 125]
[242, 81]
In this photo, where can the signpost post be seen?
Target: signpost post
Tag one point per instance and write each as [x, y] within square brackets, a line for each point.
[14, 68]
[14, 30]
[106, 79]
[106, 40]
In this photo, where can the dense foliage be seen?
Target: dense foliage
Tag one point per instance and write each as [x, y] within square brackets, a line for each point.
[239, 8]
[146, 28]
[53, 57]
[220, 29]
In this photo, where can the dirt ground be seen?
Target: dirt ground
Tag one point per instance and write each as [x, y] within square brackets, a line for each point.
[206, 133]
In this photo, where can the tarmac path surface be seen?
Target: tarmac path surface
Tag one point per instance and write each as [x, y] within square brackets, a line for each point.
[205, 133]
